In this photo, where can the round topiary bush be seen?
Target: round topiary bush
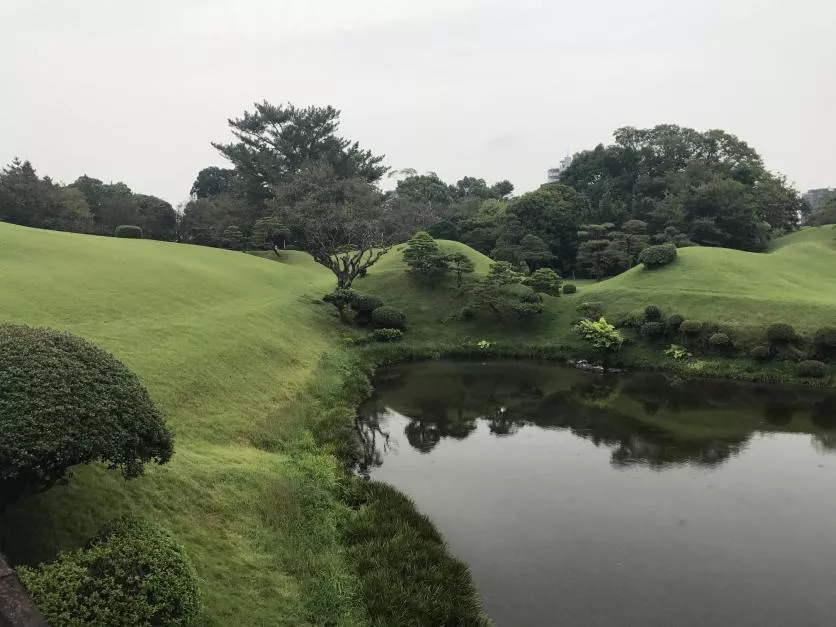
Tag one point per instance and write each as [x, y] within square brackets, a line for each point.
[652, 313]
[825, 337]
[652, 330]
[675, 320]
[812, 369]
[387, 335]
[133, 573]
[658, 256]
[389, 318]
[64, 401]
[592, 310]
[467, 313]
[719, 340]
[761, 352]
[569, 288]
[780, 333]
[129, 231]
[364, 304]
[691, 327]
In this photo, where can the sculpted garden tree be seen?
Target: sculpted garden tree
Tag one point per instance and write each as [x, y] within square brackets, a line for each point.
[424, 260]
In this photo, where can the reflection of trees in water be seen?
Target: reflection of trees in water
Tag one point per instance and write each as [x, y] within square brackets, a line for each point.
[373, 441]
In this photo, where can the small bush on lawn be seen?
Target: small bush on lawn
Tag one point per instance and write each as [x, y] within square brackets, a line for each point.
[387, 335]
[675, 321]
[826, 337]
[761, 352]
[389, 318]
[364, 304]
[652, 313]
[658, 256]
[592, 310]
[812, 369]
[601, 334]
[719, 340]
[780, 333]
[570, 288]
[128, 231]
[691, 327]
[652, 330]
[467, 313]
[131, 574]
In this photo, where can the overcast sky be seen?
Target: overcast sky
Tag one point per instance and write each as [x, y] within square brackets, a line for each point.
[135, 91]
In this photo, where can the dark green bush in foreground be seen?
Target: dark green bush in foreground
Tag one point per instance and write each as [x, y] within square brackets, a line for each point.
[675, 320]
[64, 401]
[364, 304]
[652, 313]
[407, 577]
[570, 288]
[387, 335]
[824, 343]
[780, 333]
[658, 256]
[128, 231]
[389, 318]
[719, 341]
[812, 369]
[132, 574]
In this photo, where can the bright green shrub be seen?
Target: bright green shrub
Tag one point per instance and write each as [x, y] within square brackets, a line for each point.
[691, 327]
[780, 333]
[652, 330]
[719, 340]
[389, 318]
[762, 352]
[131, 574]
[675, 320]
[658, 256]
[601, 334]
[65, 401]
[652, 313]
[592, 310]
[128, 231]
[812, 369]
[570, 288]
[387, 335]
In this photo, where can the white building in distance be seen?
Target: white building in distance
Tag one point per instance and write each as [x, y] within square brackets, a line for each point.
[553, 174]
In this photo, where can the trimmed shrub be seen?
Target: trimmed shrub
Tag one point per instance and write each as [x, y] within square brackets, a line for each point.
[544, 281]
[341, 298]
[825, 337]
[675, 321]
[133, 573]
[387, 335]
[570, 288]
[780, 333]
[65, 401]
[128, 231]
[652, 330]
[652, 313]
[467, 313]
[719, 340]
[592, 310]
[658, 256]
[363, 304]
[812, 369]
[389, 318]
[691, 327]
[632, 320]
[761, 352]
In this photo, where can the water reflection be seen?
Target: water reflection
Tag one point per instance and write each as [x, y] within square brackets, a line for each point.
[644, 418]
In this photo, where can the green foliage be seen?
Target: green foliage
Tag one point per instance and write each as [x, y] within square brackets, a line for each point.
[365, 304]
[544, 281]
[131, 574]
[570, 288]
[213, 181]
[467, 312]
[128, 231]
[529, 304]
[652, 330]
[601, 334]
[388, 318]
[443, 229]
[675, 321]
[632, 320]
[825, 337]
[780, 333]
[341, 299]
[424, 260]
[592, 310]
[63, 402]
[387, 335]
[719, 340]
[658, 256]
[812, 369]
[460, 264]
[233, 238]
[500, 294]
[269, 233]
[677, 352]
[652, 313]
[825, 215]
[603, 251]
[691, 327]
[761, 352]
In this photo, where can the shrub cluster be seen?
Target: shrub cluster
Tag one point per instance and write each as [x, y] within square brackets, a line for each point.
[675, 321]
[652, 330]
[387, 317]
[658, 256]
[128, 231]
[592, 310]
[133, 573]
[570, 288]
[719, 340]
[652, 313]
[64, 401]
[365, 305]
[387, 335]
[780, 333]
[691, 327]
[812, 369]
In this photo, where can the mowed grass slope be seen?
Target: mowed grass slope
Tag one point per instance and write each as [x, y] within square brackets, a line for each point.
[225, 342]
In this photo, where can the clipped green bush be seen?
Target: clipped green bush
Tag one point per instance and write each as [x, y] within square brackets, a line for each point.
[467, 312]
[388, 318]
[675, 320]
[812, 369]
[131, 574]
[128, 231]
[719, 340]
[364, 304]
[570, 288]
[387, 335]
[544, 281]
[780, 333]
[691, 327]
[65, 401]
[632, 320]
[652, 330]
[592, 310]
[652, 313]
[762, 352]
[825, 337]
[658, 256]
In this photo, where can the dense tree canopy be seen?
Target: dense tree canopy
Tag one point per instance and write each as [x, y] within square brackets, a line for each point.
[213, 181]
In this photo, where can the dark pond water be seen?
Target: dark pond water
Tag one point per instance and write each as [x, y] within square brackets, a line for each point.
[582, 499]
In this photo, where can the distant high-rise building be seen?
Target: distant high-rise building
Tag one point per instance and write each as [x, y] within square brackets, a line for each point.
[553, 174]
[818, 198]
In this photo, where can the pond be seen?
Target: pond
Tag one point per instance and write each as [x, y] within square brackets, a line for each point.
[585, 499]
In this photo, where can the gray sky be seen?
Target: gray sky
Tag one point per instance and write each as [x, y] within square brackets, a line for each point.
[135, 91]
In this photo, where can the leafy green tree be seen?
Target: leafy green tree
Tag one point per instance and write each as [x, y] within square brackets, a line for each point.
[633, 236]
[213, 181]
[601, 253]
[205, 219]
[443, 229]
[544, 281]
[269, 232]
[423, 258]
[460, 264]
[534, 252]
[508, 246]
[500, 293]
[233, 237]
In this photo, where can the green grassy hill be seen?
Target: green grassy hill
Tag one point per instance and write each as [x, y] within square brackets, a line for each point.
[225, 342]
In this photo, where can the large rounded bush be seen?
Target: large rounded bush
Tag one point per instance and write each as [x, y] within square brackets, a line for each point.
[675, 320]
[658, 256]
[812, 369]
[592, 310]
[652, 313]
[570, 288]
[132, 574]
[364, 304]
[719, 340]
[389, 318]
[691, 327]
[825, 337]
[780, 333]
[64, 401]
[128, 231]
[652, 330]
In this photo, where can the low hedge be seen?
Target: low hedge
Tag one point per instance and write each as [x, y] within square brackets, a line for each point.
[812, 369]
[387, 335]
[132, 574]
[128, 231]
